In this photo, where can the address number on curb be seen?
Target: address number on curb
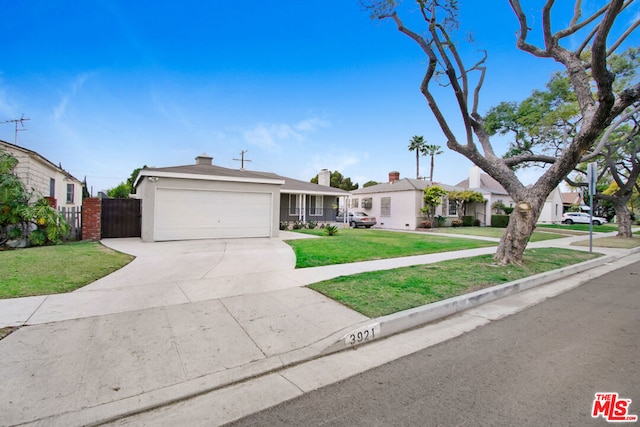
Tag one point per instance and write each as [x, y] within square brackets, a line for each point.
[362, 335]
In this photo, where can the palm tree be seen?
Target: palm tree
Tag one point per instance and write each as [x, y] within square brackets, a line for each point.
[432, 150]
[418, 144]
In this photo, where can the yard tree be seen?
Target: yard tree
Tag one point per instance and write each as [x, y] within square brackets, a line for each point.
[582, 48]
[619, 164]
[369, 184]
[433, 197]
[419, 145]
[20, 216]
[336, 180]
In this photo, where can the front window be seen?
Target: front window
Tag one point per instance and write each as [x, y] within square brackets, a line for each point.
[453, 209]
[315, 205]
[385, 206]
[70, 192]
[52, 187]
[295, 204]
[354, 203]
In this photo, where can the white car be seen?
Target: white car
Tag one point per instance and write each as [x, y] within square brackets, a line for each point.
[581, 218]
[357, 219]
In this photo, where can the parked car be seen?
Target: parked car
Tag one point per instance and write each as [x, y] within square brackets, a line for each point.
[358, 219]
[581, 218]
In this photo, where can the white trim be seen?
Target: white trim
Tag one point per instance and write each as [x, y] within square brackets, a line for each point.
[313, 193]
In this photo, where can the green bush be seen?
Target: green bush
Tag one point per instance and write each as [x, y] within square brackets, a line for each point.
[284, 225]
[467, 220]
[507, 210]
[476, 222]
[311, 225]
[331, 230]
[500, 221]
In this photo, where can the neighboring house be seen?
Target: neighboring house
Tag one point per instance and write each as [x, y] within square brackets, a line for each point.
[490, 189]
[45, 178]
[204, 201]
[573, 200]
[398, 203]
[552, 210]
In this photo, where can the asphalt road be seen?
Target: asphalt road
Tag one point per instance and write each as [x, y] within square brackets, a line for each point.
[540, 367]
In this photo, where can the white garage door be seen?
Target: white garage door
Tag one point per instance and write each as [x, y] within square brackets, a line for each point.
[198, 214]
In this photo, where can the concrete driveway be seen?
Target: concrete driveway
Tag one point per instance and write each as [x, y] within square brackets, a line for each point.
[165, 274]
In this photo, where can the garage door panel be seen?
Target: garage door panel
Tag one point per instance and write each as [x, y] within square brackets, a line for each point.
[199, 214]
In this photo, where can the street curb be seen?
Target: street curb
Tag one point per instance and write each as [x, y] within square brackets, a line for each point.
[383, 326]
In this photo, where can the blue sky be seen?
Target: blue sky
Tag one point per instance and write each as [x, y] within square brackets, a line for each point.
[111, 85]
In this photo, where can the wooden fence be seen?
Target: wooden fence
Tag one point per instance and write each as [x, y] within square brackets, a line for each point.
[73, 216]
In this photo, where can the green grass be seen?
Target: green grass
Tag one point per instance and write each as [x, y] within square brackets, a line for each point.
[353, 245]
[379, 293]
[607, 228]
[56, 269]
[496, 232]
[610, 242]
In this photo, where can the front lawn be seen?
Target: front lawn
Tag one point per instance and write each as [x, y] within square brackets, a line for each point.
[354, 245]
[56, 269]
[379, 293]
[495, 232]
[607, 228]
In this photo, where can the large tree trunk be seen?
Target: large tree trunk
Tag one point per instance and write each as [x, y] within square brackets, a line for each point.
[623, 218]
[514, 241]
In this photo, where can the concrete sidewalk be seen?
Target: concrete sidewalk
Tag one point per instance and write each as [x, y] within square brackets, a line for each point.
[202, 316]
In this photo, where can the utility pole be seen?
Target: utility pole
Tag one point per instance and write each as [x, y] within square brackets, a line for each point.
[242, 159]
[21, 120]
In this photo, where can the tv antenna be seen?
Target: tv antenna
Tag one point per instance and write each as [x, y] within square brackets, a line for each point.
[21, 120]
[242, 159]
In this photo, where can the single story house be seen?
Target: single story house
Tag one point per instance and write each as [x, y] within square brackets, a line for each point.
[553, 208]
[490, 189]
[398, 204]
[44, 178]
[204, 201]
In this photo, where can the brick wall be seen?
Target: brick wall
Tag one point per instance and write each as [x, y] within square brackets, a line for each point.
[91, 218]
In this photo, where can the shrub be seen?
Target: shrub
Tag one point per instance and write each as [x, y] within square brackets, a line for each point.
[331, 230]
[467, 220]
[440, 221]
[499, 221]
[476, 222]
[456, 223]
[297, 225]
[425, 224]
[507, 210]
[284, 225]
[311, 225]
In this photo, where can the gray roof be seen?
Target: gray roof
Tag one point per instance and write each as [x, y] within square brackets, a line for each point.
[404, 184]
[290, 184]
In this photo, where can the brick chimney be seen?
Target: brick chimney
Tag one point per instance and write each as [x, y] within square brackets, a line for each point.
[394, 176]
[324, 178]
[204, 159]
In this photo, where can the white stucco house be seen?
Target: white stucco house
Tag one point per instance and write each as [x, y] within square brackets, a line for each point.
[205, 201]
[490, 189]
[44, 178]
[552, 210]
[398, 203]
